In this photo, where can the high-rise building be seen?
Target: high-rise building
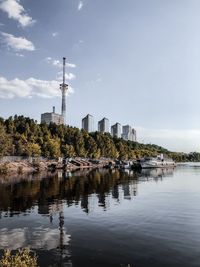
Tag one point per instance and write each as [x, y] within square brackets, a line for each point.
[88, 123]
[116, 130]
[128, 133]
[103, 126]
[134, 135]
[53, 117]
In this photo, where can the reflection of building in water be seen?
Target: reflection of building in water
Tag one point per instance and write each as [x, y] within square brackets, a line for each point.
[130, 189]
[126, 189]
[92, 203]
[134, 188]
[89, 188]
[115, 192]
[157, 173]
[84, 203]
[102, 200]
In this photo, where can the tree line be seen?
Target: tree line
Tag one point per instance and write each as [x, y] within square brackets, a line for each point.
[22, 136]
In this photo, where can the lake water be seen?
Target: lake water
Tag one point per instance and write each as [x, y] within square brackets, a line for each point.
[105, 218]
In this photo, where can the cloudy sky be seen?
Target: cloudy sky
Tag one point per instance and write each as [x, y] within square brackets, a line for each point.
[133, 61]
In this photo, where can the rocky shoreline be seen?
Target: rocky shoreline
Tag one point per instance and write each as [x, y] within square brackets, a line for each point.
[25, 167]
[21, 167]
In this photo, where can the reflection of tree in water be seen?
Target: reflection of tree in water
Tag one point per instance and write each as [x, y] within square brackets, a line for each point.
[51, 194]
[48, 193]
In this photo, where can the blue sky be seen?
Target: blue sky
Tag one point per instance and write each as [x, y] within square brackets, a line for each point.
[133, 61]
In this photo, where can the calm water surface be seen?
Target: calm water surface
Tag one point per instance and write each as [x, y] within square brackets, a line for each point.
[105, 218]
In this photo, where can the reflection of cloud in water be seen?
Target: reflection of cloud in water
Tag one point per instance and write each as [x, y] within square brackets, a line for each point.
[37, 238]
[12, 239]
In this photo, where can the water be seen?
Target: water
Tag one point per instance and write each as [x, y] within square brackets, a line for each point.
[105, 218]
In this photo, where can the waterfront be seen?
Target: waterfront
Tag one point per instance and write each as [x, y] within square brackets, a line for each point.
[105, 218]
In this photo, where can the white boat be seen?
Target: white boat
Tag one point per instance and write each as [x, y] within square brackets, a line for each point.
[157, 162]
[127, 165]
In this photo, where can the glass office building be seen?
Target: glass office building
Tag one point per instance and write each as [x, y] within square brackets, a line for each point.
[88, 123]
[103, 125]
[128, 133]
[116, 130]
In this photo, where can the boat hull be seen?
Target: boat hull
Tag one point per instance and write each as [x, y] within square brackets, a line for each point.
[146, 165]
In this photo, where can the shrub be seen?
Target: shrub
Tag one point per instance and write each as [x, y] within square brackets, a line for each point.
[22, 258]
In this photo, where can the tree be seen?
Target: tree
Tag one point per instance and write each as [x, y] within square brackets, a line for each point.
[33, 150]
[91, 147]
[80, 145]
[23, 136]
[51, 148]
[5, 142]
[68, 151]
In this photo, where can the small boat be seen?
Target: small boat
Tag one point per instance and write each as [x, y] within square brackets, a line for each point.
[127, 165]
[157, 162]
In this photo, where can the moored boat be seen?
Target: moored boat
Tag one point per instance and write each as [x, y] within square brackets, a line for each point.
[157, 162]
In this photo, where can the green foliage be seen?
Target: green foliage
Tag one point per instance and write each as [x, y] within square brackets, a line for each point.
[5, 141]
[51, 148]
[22, 136]
[22, 258]
[68, 151]
[33, 149]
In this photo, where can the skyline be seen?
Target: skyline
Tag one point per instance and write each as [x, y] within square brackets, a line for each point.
[136, 62]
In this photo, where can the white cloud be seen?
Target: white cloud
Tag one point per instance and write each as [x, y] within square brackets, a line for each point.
[68, 76]
[58, 63]
[54, 62]
[70, 65]
[78, 45]
[29, 88]
[99, 80]
[48, 59]
[17, 43]
[54, 34]
[80, 5]
[19, 55]
[183, 140]
[16, 11]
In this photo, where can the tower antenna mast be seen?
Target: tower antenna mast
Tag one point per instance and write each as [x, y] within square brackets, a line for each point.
[64, 88]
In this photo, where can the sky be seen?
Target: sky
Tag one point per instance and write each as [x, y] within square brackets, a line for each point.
[135, 62]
